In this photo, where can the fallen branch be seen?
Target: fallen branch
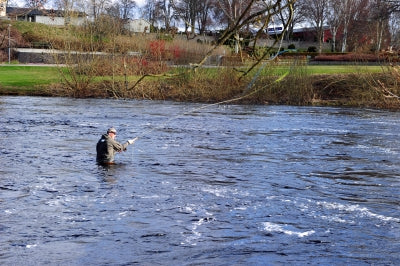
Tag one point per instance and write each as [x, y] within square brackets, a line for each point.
[385, 91]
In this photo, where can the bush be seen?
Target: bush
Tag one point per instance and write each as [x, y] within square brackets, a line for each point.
[312, 49]
[157, 49]
[292, 46]
[165, 37]
[349, 58]
[3, 56]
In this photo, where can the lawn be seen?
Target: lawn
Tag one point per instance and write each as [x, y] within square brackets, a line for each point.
[343, 69]
[27, 76]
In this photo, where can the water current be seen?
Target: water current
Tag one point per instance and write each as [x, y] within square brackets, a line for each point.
[224, 185]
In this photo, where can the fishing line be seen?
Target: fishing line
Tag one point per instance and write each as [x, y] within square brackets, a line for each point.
[245, 93]
[212, 104]
[251, 83]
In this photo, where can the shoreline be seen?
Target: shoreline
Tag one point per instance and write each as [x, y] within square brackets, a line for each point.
[361, 90]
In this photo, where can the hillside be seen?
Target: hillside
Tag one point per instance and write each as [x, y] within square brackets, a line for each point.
[103, 37]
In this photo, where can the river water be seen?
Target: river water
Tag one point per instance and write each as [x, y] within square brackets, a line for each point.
[222, 185]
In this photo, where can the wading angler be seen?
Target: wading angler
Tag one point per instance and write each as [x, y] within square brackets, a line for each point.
[107, 147]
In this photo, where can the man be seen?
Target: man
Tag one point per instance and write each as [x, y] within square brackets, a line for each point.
[107, 147]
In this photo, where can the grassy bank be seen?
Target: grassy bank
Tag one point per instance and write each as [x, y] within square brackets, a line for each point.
[27, 80]
[362, 86]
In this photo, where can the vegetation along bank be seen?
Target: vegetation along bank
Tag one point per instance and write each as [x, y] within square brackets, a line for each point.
[361, 86]
[165, 66]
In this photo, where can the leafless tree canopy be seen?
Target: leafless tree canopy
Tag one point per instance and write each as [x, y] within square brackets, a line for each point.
[349, 21]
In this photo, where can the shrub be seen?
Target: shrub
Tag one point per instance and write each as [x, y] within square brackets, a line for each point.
[165, 37]
[3, 56]
[312, 49]
[349, 58]
[176, 51]
[292, 46]
[157, 48]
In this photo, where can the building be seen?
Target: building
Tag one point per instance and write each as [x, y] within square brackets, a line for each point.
[310, 34]
[138, 26]
[303, 34]
[3, 5]
[46, 16]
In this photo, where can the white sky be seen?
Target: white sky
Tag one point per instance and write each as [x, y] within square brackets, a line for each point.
[140, 2]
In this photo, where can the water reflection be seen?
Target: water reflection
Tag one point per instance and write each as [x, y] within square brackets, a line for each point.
[109, 172]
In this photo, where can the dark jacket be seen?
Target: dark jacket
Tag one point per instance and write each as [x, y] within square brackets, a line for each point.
[107, 147]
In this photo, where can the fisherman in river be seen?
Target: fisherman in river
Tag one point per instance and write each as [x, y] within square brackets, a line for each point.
[107, 147]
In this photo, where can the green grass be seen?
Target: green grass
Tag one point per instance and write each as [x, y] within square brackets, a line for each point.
[27, 76]
[343, 69]
[324, 69]
[313, 69]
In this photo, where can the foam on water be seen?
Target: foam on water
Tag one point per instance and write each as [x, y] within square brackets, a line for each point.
[271, 227]
[357, 210]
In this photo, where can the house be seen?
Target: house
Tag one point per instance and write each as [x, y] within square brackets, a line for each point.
[3, 4]
[302, 34]
[138, 26]
[310, 34]
[46, 16]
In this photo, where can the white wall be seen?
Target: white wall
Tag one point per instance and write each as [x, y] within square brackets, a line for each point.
[54, 21]
[138, 25]
[58, 21]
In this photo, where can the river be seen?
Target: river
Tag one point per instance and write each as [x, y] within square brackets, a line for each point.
[218, 185]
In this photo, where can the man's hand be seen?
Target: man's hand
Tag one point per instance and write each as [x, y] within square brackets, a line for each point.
[131, 141]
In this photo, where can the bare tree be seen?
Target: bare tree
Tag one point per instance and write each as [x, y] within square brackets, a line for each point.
[204, 11]
[380, 14]
[126, 7]
[66, 5]
[165, 12]
[193, 12]
[394, 5]
[187, 10]
[149, 12]
[233, 11]
[36, 4]
[183, 12]
[297, 18]
[69, 9]
[394, 28]
[334, 20]
[192, 4]
[98, 7]
[350, 10]
[252, 12]
[122, 10]
[316, 11]
[243, 13]
[394, 22]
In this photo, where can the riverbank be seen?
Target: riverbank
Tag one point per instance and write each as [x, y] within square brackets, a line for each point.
[335, 86]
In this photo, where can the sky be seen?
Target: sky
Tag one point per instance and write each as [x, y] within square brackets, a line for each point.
[140, 2]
